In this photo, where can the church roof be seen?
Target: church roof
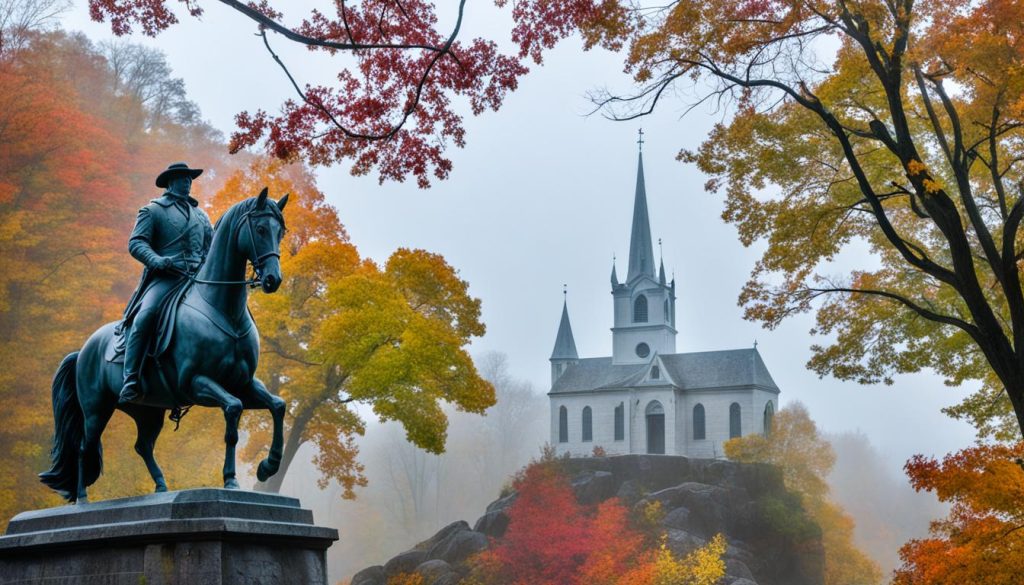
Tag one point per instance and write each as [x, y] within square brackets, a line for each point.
[565, 345]
[690, 371]
[641, 251]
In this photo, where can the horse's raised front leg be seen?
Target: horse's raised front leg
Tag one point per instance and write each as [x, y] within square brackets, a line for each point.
[148, 424]
[210, 393]
[257, 396]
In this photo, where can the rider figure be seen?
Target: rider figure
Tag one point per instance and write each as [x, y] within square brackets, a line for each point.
[171, 238]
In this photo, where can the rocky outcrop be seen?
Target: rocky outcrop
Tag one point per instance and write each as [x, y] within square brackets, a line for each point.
[771, 540]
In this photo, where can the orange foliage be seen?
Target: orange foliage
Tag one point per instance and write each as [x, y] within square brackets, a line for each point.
[982, 539]
[406, 579]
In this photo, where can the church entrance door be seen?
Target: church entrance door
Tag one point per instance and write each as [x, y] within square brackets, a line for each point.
[655, 428]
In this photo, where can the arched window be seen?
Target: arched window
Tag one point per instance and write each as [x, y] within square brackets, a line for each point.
[769, 413]
[588, 424]
[698, 422]
[640, 309]
[655, 373]
[735, 428]
[667, 318]
[620, 422]
[563, 425]
[655, 428]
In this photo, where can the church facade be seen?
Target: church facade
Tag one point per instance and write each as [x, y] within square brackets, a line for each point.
[645, 397]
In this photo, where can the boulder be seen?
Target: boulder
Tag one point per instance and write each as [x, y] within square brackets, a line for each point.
[502, 504]
[437, 572]
[370, 576]
[492, 524]
[459, 546]
[592, 487]
[737, 570]
[630, 492]
[681, 542]
[678, 518]
[404, 563]
[441, 535]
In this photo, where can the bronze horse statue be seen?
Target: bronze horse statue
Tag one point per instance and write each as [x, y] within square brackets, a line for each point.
[209, 360]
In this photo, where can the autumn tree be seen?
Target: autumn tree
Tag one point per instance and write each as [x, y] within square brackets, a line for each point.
[342, 330]
[982, 538]
[805, 459]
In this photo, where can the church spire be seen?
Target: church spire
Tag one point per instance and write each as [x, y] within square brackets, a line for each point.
[641, 252]
[565, 345]
[615, 277]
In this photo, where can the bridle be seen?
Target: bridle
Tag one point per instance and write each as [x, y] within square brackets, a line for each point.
[257, 257]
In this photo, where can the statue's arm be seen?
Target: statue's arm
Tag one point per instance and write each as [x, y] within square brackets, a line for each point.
[139, 243]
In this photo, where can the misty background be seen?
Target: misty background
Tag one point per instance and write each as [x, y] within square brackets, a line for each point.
[540, 197]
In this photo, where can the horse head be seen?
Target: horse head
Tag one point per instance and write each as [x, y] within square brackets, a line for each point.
[260, 240]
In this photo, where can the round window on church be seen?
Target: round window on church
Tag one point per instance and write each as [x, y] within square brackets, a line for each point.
[643, 350]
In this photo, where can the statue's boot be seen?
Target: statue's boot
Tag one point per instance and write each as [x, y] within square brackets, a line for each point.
[134, 350]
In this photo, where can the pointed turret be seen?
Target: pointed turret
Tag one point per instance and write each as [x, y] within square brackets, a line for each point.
[641, 252]
[615, 277]
[564, 353]
[661, 273]
[565, 345]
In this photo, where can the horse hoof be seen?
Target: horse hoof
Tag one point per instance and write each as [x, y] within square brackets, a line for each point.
[264, 471]
[82, 500]
[160, 489]
[231, 484]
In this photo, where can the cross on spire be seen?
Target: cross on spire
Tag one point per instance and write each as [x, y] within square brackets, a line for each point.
[640, 140]
[565, 290]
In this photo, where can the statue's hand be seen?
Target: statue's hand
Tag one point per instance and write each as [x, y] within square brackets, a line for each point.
[167, 263]
[163, 263]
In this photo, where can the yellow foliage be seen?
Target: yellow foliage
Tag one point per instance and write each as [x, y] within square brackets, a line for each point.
[406, 579]
[703, 566]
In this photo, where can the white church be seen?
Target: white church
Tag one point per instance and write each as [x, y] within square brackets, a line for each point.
[645, 397]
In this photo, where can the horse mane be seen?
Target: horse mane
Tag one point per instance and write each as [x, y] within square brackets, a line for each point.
[245, 206]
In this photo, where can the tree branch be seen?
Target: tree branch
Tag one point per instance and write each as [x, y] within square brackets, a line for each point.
[266, 22]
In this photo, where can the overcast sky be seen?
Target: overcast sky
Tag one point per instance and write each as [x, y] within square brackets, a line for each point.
[542, 195]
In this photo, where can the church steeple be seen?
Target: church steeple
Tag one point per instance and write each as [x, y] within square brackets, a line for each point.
[641, 252]
[644, 305]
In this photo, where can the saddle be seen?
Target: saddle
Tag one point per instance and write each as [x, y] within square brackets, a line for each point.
[163, 333]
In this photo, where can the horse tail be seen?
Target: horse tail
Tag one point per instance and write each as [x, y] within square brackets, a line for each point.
[69, 427]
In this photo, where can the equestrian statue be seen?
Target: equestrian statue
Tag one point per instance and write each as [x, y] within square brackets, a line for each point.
[186, 338]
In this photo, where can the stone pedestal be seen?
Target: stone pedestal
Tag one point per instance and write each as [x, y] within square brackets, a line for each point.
[189, 537]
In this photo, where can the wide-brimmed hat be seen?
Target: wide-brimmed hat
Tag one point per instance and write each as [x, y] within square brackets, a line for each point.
[176, 169]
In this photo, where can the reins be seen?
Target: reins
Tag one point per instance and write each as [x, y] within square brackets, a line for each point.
[253, 282]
